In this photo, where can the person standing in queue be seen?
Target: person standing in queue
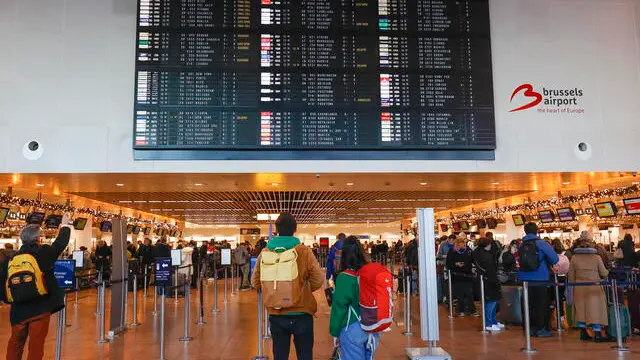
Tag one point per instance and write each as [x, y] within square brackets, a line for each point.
[460, 262]
[485, 260]
[536, 258]
[334, 258]
[32, 302]
[288, 274]
[244, 265]
[344, 326]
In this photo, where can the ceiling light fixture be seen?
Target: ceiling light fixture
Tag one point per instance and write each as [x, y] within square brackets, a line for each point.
[120, 184]
[349, 184]
[39, 185]
[423, 183]
[495, 183]
[197, 184]
[566, 183]
[275, 184]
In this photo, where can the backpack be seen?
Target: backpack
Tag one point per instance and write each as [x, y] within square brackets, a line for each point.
[562, 267]
[529, 260]
[376, 297]
[337, 261]
[25, 279]
[279, 278]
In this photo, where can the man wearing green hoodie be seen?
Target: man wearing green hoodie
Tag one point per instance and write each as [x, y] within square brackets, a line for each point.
[296, 320]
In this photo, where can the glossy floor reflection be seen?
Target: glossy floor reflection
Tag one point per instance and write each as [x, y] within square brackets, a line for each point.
[232, 334]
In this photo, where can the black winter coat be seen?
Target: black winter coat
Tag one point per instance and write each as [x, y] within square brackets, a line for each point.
[486, 266]
[46, 256]
[461, 264]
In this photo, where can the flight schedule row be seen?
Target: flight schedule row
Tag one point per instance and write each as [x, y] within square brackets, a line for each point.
[165, 49]
[328, 129]
[312, 89]
[438, 16]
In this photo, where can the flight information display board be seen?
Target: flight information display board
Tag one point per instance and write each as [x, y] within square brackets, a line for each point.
[222, 79]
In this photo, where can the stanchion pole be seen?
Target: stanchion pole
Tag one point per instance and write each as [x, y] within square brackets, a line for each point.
[64, 310]
[59, 334]
[101, 303]
[407, 296]
[527, 322]
[99, 284]
[162, 315]
[450, 295]
[175, 285]
[234, 279]
[146, 280]
[226, 285]
[267, 329]
[215, 293]
[187, 312]
[558, 304]
[77, 299]
[260, 355]
[135, 302]
[201, 296]
[616, 308]
[155, 301]
[482, 304]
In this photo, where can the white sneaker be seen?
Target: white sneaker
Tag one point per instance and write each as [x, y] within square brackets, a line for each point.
[489, 328]
[500, 325]
[495, 328]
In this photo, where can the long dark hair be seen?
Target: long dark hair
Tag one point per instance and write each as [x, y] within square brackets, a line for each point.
[352, 254]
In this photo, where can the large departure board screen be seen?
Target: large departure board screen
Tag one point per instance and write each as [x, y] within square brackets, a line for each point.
[220, 79]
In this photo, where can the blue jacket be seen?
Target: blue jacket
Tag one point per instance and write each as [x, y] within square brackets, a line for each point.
[443, 251]
[331, 257]
[546, 256]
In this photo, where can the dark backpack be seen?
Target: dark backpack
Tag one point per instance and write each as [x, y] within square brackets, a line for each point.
[528, 252]
[337, 261]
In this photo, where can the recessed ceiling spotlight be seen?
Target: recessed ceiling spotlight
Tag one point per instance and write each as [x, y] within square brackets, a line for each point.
[119, 184]
[495, 183]
[349, 184]
[275, 184]
[197, 184]
[566, 183]
[40, 185]
[423, 183]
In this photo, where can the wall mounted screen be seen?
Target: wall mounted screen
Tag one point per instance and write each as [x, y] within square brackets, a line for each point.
[313, 79]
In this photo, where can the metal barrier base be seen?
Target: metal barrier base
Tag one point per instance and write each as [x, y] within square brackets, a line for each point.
[189, 338]
[259, 358]
[432, 353]
[620, 348]
[528, 351]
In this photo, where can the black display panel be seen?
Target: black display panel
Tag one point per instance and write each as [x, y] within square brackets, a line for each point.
[313, 79]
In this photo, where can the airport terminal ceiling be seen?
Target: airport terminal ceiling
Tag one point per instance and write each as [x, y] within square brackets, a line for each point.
[208, 199]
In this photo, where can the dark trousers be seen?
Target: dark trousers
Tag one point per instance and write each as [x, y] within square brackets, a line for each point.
[301, 327]
[463, 292]
[539, 311]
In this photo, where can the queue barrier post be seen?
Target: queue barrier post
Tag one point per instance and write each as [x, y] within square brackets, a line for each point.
[162, 316]
[101, 313]
[175, 285]
[234, 279]
[215, 292]
[260, 355]
[226, 285]
[267, 329]
[60, 331]
[201, 295]
[616, 308]
[155, 302]
[482, 304]
[76, 303]
[125, 312]
[135, 301]
[451, 316]
[97, 313]
[146, 279]
[187, 312]
[527, 322]
[558, 303]
[407, 306]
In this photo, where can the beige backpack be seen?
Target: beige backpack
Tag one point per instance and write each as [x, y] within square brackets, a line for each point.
[279, 278]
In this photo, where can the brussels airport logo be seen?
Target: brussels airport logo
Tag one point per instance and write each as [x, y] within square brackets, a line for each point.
[546, 100]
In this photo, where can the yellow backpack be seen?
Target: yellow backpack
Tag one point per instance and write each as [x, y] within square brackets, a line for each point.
[279, 278]
[25, 279]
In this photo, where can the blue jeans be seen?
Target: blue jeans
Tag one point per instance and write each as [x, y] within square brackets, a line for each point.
[490, 308]
[357, 344]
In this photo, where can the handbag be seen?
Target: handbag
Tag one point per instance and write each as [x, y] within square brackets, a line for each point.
[328, 293]
[336, 355]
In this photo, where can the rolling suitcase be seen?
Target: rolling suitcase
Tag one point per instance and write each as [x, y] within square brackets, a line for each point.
[625, 321]
[510, 305]
[634, 309]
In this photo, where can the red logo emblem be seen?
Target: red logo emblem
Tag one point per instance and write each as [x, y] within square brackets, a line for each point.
[528, 92]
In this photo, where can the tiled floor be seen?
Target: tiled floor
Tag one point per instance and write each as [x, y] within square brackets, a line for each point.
[232, 334]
